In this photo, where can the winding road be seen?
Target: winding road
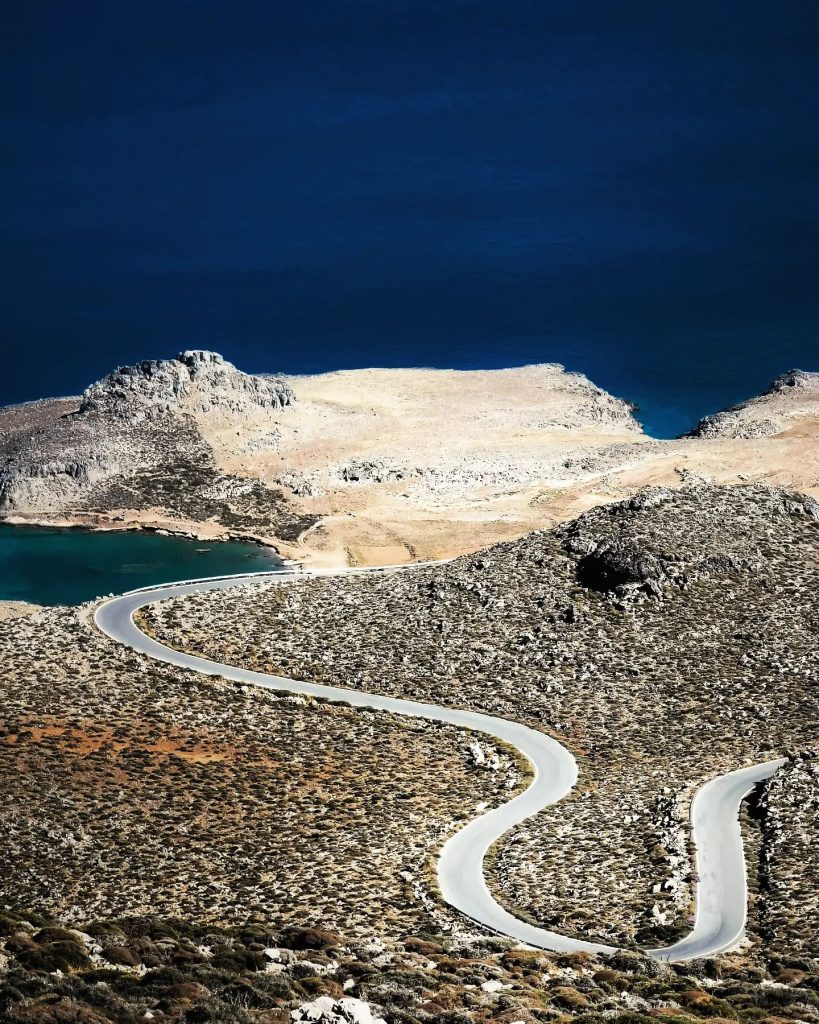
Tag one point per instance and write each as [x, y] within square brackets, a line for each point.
[721, 890]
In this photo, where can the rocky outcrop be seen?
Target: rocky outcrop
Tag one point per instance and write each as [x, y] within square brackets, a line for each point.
[326, 1010]
[193, 382]
[588, 407]
[791, 396]
[39, 484]
[616, 565]
[794, 379]
[378, 470]
[138, 440]
[618, 556]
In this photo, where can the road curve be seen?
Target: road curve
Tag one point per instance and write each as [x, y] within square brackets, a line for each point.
[721, 891]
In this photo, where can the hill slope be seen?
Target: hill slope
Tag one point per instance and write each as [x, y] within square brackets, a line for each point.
[371, 466]
[665, 639]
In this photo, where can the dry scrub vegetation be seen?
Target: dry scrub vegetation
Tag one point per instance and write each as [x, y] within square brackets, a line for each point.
[129, 788]
[158, 970]
[664, 639]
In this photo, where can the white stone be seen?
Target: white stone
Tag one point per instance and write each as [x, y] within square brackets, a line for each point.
[493, 986]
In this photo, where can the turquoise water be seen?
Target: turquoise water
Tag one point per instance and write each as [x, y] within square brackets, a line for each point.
[46, 566]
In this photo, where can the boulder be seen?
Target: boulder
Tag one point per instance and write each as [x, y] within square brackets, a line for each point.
[617, 563]
[326, 1010]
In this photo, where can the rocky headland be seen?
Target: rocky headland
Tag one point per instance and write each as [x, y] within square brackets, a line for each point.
[791, 402]
[133, 450]
[371, 466]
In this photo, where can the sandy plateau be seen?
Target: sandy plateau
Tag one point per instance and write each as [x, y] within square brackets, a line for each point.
[419, 464]
[369, 467]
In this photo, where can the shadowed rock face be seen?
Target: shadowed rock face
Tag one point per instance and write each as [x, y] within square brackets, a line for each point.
[614, 564]
[621, 556]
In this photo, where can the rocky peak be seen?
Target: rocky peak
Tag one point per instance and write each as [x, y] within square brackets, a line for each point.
[194, 381]
[196, 357]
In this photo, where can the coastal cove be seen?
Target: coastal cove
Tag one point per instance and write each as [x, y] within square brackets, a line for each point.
[48, 566]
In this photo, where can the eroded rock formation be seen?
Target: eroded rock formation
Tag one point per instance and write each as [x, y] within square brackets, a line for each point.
[195, 381]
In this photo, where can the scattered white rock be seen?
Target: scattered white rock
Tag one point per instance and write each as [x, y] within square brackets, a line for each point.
[327, 1010]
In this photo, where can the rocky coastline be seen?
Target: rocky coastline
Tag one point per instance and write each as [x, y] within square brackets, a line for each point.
[371, 466]
[102, 523]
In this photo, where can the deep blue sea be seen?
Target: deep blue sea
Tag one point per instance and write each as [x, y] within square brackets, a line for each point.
[626, 188]
[46, 566]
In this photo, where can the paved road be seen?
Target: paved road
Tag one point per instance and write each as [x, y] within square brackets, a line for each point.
[721, 892]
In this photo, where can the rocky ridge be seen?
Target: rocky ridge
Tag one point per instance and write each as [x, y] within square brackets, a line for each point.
[792, 396]
[193, 440]
[195, 381]
[138, 439]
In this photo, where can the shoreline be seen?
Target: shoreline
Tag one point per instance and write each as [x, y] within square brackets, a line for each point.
[377, 467]
[101, 523]
[17, 606]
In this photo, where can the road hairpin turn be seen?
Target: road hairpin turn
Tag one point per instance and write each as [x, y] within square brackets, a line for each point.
[721, 888]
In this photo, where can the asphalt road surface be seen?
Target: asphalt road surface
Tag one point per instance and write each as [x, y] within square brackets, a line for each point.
[721, 890]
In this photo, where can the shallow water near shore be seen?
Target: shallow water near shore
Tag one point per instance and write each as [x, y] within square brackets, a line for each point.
[68, 566]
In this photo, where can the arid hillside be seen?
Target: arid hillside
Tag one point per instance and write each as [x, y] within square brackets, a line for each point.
[178, 848]
[154, 969]
[372, 466]
[128, 788]
[665, 639]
